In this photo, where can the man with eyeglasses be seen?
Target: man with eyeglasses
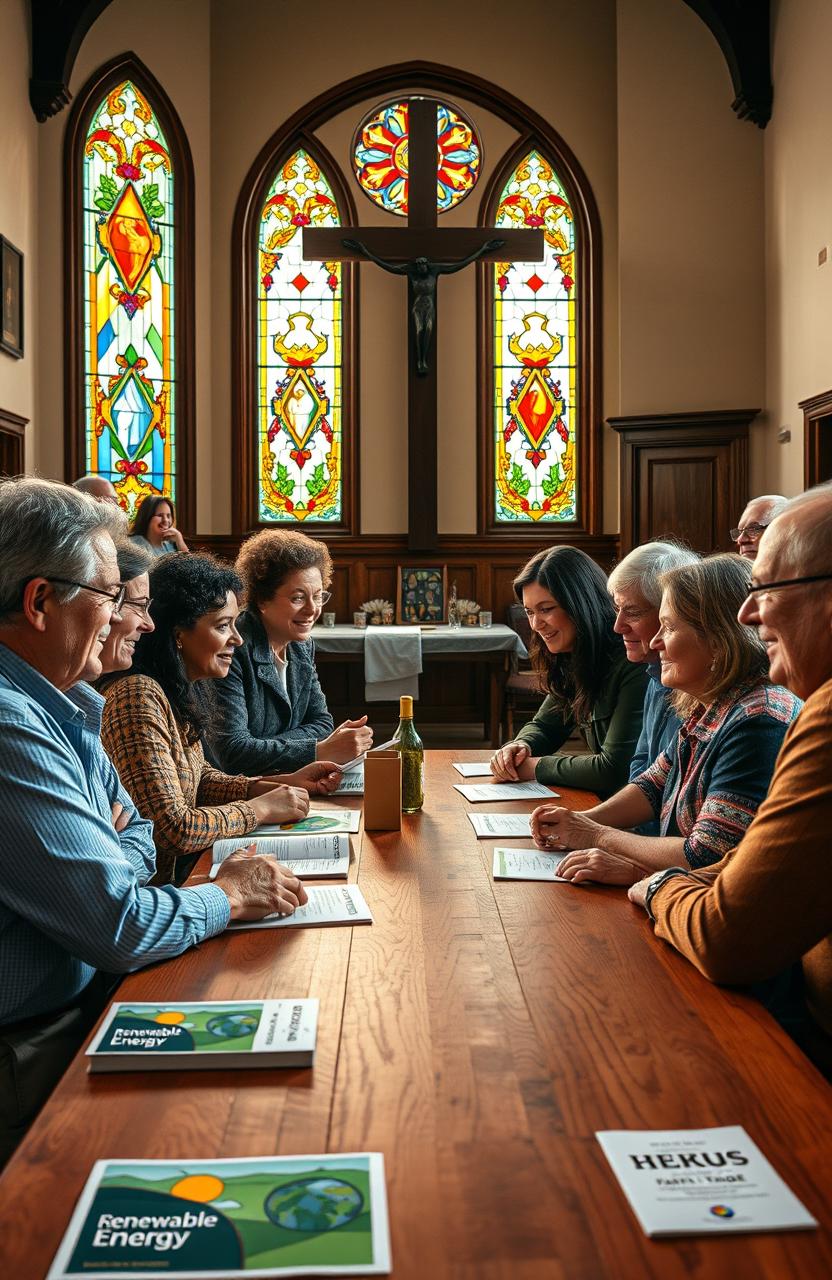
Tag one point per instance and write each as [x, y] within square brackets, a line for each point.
[768, 904]
[75, 857]
[756, 518]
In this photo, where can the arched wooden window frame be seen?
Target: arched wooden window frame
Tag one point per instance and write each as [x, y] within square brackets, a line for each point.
[299, 130]
[128, 66]
[588, 274]
[244, 305]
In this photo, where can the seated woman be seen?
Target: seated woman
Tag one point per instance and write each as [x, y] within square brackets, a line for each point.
[706, 787]
[154, 526]
[582, 662]
[155, 717]
[271, 711]
[133, 620]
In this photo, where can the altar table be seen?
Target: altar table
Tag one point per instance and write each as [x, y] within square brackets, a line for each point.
[478, 1034]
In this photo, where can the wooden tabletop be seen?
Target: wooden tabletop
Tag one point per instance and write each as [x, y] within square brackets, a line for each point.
[478, 1033]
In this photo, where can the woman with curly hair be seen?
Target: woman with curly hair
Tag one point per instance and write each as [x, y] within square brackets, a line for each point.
[272, 713]
[705, 787]
[154, 526]
[156, 716]
[582, 663]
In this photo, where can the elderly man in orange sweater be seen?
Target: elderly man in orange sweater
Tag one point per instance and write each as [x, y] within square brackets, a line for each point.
[768, 903]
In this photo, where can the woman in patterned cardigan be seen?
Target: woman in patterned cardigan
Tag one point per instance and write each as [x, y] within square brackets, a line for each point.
[155, 717]
[706, 787]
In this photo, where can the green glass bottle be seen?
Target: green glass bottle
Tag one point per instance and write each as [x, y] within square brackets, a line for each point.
[409, 746]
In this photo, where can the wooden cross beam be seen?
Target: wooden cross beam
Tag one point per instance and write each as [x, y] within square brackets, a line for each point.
[422, 252]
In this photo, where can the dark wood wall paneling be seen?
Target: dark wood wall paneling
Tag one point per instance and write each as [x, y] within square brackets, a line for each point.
[817, 439]
[684, 474]
[12, 443]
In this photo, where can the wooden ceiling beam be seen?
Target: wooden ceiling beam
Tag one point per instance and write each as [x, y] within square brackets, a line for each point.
[58, 27]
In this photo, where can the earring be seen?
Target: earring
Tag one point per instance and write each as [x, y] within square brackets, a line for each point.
[179, 645]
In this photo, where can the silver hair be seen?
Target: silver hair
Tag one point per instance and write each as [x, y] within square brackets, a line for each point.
[48, 530]
[644, 566]
[133, 559]
[775, 501]
[809, 546]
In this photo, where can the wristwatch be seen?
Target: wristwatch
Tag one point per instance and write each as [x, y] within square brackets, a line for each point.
[655, 883]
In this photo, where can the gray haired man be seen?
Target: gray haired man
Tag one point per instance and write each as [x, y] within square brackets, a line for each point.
[75, 857]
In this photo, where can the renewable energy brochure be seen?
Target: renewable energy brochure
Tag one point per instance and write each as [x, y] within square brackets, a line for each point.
[504, 826]
[306, 856]
[477, 791]
[526, 864]
[316, 822]
[683, 1182]
[480, 770]
[205, 1035]
[328, 904]
[234, 1219]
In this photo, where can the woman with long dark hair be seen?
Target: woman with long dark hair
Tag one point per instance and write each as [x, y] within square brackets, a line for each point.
[154, 526]
[583, 667]
[156, 715]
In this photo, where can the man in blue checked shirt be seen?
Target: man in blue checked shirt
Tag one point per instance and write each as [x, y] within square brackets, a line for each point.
[75, 856]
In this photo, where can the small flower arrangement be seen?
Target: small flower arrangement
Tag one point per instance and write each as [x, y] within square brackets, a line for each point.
[378, 611]
[467, 611]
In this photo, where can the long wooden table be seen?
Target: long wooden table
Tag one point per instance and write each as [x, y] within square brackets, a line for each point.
[477, 1033]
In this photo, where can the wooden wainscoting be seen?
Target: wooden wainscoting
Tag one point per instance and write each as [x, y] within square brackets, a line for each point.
[684, 474]
[12, 443]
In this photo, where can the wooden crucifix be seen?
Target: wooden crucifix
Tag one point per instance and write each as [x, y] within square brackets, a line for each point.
[422, 252]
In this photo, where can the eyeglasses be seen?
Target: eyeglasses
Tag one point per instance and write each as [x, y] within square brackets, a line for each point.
[753, 530]
[789, 582]
[116, 597]
[297, 598]
[139, 604]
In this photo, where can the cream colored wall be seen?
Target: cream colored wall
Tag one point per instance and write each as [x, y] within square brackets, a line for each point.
[18, 200]
[798, 225]
[690, 192]
[639, 91]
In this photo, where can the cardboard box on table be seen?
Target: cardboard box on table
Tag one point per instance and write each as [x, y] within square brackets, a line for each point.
[383, 791]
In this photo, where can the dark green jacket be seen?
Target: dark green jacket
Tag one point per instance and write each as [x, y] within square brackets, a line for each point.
[611, 734]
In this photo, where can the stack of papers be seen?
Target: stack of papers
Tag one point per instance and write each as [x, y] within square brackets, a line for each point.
[330, 904]
[477, 791]
[306, 856]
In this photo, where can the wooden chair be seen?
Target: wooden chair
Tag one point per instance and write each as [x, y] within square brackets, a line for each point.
[523, 694]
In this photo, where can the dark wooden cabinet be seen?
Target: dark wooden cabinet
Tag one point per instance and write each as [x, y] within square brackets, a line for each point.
[12, 443]
[683, 474]
[817, 439]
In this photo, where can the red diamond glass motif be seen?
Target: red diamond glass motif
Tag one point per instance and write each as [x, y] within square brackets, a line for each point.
[130, 238]
[535, 408]
[534, 282]
[300, 282]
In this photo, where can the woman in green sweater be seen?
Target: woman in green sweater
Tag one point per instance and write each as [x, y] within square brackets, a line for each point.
[582, 664]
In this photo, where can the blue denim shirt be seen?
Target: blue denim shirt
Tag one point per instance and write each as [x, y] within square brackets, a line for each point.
[659, 725]
[72, 895]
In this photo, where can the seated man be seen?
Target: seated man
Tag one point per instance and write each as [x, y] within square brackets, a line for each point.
[75, 856]
[756, 518]
[768, 903]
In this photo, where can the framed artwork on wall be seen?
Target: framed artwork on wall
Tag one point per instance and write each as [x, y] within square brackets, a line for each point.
[421, 594]
[11, 316]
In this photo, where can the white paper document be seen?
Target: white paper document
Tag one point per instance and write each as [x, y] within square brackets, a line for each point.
[328, 904]
[306, 856]
[480, 770]
[318, 822]
[477, 791]
[351, 784]
[683, 1182]
[526, 864]
[505, 826]
[353, 764]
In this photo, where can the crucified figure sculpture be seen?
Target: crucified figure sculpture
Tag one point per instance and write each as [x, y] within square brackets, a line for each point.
[423, 275]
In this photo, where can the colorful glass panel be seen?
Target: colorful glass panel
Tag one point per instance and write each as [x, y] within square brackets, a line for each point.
[535, 355]
[380, 157]
[300, 353]
[128, 287]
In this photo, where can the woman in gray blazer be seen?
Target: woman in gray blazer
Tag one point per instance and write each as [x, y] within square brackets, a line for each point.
[272, 712]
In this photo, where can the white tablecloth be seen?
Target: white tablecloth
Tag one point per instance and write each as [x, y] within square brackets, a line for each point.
[392, 663]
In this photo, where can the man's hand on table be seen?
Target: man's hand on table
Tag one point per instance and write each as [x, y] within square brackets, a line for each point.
[599, 866]
[258, 887]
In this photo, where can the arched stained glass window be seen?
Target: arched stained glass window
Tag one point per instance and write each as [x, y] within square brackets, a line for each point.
[535, 373]
[129, 297]
[300, 329]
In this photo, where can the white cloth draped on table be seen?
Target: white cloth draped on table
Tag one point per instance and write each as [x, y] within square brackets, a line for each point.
[392, 663]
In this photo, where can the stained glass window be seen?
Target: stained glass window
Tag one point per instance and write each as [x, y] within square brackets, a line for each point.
[380, 156]
[300, 352]
[129, 332]
[535, 355]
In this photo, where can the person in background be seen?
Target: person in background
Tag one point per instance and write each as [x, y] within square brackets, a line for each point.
[155, 526]
[705, 788]
[75, 856]
[768, 903]
[583, 663]
[636, 594]
[156, 715]
[756, 518]
[98, 487]
[272, 713]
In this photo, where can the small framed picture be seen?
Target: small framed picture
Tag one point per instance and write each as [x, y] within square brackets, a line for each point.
[11, 316]
[421, 594]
